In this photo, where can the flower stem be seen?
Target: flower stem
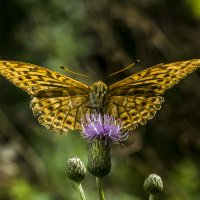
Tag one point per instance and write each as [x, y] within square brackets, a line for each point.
[152, 197]
[81, 192]
[100, 188]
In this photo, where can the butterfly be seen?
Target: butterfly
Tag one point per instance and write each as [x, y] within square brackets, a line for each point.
[61, 102]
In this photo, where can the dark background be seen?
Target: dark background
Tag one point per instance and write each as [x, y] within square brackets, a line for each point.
[97, 38]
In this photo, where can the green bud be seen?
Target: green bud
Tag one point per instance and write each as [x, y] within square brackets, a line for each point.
[99, 160]
[76, 169]
[153, 184]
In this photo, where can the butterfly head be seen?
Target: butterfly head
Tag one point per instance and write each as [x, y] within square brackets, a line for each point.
[99, 88]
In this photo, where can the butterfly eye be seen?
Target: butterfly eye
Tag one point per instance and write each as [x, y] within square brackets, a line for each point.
[105, 88]
[95, 89]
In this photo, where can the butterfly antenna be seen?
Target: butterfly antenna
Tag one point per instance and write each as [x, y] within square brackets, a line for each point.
[137, 61]
[72, 72]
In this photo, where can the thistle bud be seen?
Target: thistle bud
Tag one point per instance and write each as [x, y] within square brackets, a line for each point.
[153, 184]
[76, 169]
[99, 160]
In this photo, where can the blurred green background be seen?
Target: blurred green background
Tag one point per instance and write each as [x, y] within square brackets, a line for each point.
[97, 38]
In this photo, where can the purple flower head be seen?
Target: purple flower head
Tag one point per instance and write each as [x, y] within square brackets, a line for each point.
[99, 126]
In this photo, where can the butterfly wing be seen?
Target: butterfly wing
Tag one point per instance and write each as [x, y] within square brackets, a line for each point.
[136, 98]
[58, 100]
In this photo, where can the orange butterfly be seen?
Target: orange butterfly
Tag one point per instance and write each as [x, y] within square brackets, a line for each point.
[61, 102]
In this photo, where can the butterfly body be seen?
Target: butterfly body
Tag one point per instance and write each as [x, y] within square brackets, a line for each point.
[60, 103]
[97, 96]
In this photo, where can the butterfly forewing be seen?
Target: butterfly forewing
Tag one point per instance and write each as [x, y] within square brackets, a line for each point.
[136, 98]
[156, 79]
[33, 78]
[59, 101]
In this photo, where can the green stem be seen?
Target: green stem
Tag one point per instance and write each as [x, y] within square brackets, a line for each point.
[81, 192]
[100, 188]
[152, 197]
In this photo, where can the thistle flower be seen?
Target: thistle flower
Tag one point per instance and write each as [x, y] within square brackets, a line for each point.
[99, 130]
[103, 126]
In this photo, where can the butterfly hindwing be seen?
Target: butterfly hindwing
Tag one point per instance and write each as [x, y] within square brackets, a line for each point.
[136, 98]
[134, 110]
[58, 100]
[60, 113]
